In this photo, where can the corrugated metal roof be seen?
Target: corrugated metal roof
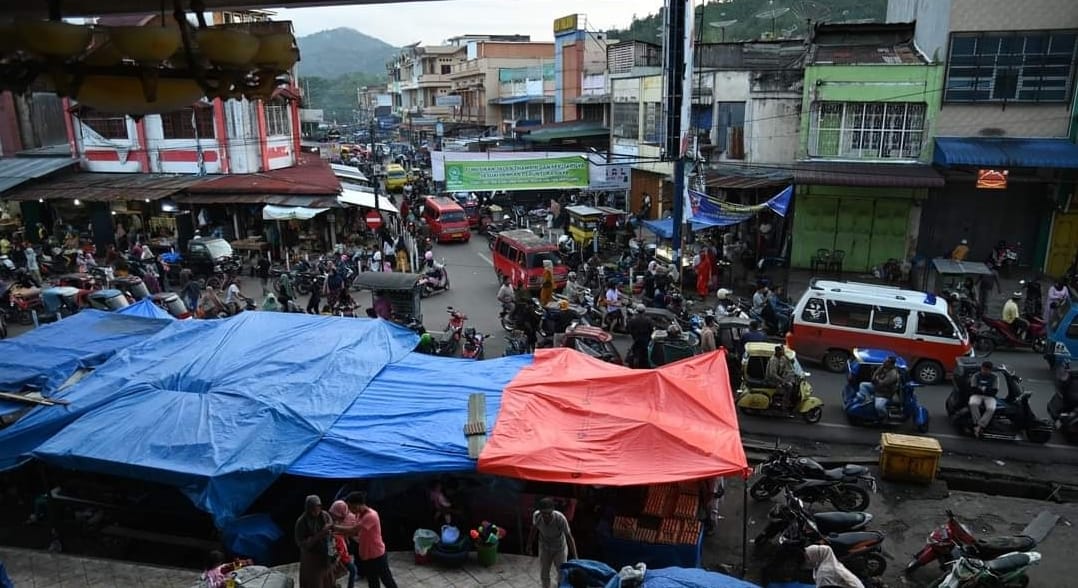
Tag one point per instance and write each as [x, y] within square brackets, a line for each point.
[753, 55]
[868, 175]
[1006, 153]
[738, 177]
[16, 170]
[275, 199]
[97, 187]
[311, 175]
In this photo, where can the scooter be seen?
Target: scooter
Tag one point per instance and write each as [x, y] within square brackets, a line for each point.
[1000, 334]
[862, 411]
[1013, 415]
[434, 281]
[953, 535]
[1063, 407]
[1007, 571]
[450, 339]
[473, 344]
[782, 515]
[1033, 297]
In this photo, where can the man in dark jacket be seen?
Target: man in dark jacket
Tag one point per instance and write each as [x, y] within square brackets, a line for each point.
[640, 328]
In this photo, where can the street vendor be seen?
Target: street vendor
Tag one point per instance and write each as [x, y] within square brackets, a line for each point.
[555, 540]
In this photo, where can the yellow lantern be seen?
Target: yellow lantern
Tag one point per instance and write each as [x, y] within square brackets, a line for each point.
[277, 51]
[53, 38]
[125, 95]
[146, 44]
[227, 47]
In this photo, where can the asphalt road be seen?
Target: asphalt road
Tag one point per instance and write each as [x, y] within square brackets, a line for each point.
[474, 288]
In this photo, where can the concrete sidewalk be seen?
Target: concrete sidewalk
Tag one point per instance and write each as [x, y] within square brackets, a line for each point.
[41, 569]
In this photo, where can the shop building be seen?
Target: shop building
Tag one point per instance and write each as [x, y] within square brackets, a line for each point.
[1007, 116]
[869, 110]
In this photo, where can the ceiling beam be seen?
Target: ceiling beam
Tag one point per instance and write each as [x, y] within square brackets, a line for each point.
[87, 8]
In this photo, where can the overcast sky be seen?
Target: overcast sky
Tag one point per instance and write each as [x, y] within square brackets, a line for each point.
[433, 22]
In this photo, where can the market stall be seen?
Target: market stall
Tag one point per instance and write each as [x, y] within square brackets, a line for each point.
[289, 213]
[654, 452]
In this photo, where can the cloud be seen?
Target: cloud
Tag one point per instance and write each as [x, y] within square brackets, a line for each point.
[433, 22]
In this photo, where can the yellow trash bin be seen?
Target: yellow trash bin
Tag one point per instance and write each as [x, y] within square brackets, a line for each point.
[907, 458]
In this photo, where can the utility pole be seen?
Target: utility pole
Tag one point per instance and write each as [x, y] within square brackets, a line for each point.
[678, 69]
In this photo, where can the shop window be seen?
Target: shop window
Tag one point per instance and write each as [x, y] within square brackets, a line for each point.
[848, 314]
[277, 118]
[814, 312]
[625, 120]
[108, 125]
[188, 123]
[1027, 66]
[867, 130]
[889, 320]
[933, 324]
[653, 122]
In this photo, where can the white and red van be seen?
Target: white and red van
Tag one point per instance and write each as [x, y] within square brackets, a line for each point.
[832, 318]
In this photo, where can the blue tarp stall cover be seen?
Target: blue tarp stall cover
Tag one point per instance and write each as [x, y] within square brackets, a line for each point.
[146, 309]
[653, 578]
[411, 419]
[216, 408]
[47, 356]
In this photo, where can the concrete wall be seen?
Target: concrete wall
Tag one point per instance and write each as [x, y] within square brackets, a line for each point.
[516, 50]
[771, 128]
[1007, 15]
[933, 18]
[179, 156]
[873, 83]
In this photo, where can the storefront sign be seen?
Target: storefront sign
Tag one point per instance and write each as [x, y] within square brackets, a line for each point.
[555, 173]
[565, 24]
[992, 179]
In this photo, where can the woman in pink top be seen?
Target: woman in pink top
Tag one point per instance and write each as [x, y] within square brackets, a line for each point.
[372, 550]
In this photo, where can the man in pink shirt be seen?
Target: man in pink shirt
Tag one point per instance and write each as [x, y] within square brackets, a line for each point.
[372, 550]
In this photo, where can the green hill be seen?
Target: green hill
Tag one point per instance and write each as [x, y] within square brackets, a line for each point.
[754, 18]
[336, 52]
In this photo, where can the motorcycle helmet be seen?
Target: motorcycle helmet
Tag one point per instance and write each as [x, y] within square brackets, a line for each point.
[722, 294]
[425, 339]
[572, 276]
[1016, 295]
[428, 256]
[563, 305]
[563, 240]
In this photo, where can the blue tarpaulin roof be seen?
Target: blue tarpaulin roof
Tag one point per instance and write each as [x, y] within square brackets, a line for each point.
[217, 408]
[654, 578]
[47, 356]
[398, 426]
[664, 227]
[1006, 153]
[146, 309]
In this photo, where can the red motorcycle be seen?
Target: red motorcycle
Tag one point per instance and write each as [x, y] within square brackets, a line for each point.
[449, 341]
[997, 333]
[473, 344]
[953, 535]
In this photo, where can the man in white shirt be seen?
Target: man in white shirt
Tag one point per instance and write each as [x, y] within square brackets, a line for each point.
[233, 296]
[555, 540]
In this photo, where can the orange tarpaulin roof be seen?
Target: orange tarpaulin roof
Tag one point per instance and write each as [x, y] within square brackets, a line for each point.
[571, 418]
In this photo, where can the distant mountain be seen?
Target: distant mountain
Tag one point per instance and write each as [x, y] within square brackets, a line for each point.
[341, 51]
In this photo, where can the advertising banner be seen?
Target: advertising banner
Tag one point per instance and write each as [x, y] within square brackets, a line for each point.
[555, 173]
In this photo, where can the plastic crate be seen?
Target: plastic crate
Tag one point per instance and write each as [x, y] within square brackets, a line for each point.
[906, 458]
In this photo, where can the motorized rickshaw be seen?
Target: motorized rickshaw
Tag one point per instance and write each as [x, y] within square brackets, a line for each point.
[757, 396]
[728, 335]
[862, 411]
[947, 277]
[592, 341]
[132, 285]
[62, 300]
[401, 289]
[664, 349]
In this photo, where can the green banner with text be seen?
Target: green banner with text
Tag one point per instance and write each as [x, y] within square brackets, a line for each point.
[555, 173]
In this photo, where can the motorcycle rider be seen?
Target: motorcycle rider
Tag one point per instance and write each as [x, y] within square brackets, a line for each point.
[960, 251]
[1012, 316]
[779, 309]
[759, 299]
[557, 321]
[640, 328]
[780, 373]
[434, 272]
[506, 295]
[613, 307]
[726, 306]
[572, 290]
[884, 386]
[233, 296]
[754, 334]
[985, 385]
[1058, 295]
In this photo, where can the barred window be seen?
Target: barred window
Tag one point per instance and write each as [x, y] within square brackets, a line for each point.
[277, 118]
[625, 119]
[867, 130]
[188, 123]
[107, 124]
[1008, 66]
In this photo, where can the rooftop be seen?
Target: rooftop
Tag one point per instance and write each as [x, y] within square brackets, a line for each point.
[864, 43]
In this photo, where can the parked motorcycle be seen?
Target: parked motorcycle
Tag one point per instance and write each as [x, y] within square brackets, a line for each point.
[473, 344]
[811, 482]
[1007, 571]
[860, 551]
[516, 344]
[449, 341]
[510, 320]
[782, 516]
[1032, 297]
[952, 535]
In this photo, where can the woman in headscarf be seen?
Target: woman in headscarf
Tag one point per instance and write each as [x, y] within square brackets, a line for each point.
[703, 272]
[827, 570]
[314, 537]
[342, 518]
[270, 303]
[546, 292]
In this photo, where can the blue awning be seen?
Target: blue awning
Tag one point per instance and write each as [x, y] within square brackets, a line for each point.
[1006, 153]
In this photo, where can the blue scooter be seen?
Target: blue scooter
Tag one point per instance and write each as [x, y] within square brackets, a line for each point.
[861, 411]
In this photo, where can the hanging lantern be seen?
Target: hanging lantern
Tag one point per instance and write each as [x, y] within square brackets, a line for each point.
[227, 47]
[277, 51]
[146, 44]
[103, 52]
[127, 95]
[53, 38]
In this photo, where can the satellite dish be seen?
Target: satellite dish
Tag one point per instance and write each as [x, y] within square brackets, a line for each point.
[722, 24]
[790, 30]
[772, 14]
